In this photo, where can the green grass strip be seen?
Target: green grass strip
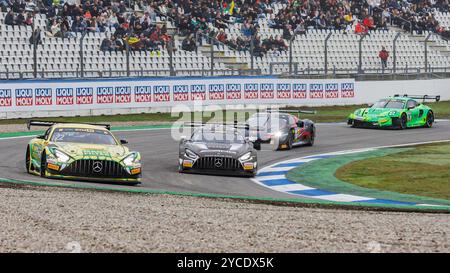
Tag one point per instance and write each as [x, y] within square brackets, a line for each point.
[320, 174]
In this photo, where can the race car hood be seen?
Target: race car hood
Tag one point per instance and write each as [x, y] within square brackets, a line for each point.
[92, 151]
[375, 113]
[214, 149]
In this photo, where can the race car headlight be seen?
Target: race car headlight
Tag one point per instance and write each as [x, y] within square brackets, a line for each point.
[62, 157]
[246, 156]
[190, 154]
[130, 159]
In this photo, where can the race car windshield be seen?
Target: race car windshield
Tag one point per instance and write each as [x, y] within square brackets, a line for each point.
[217, 137]
[394, 104]
[274, 123]
[84, 136]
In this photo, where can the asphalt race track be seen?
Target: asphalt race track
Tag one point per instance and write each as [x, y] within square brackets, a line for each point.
[160, 154]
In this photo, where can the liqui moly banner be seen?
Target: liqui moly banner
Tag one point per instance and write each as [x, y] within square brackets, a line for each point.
[89, 94]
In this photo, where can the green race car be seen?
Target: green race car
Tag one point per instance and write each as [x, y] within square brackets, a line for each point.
[81, 152]
[398, 112]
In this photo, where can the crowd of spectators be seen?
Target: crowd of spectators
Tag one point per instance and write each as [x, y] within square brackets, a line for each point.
[134, 23]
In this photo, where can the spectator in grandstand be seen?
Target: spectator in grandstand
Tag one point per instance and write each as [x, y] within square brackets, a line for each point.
[9, 18]
[188, 44]
[35, 37]
[107, 45]
[383, 55]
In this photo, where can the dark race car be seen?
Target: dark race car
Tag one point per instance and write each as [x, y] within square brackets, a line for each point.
[282, 129]
[218, 149]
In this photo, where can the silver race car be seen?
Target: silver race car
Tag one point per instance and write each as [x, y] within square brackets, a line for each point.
[218, 149]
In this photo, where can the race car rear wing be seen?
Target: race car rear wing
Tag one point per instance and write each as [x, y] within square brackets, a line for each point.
[45, 123]
[292, 111]
[235, 124]
[420, 97]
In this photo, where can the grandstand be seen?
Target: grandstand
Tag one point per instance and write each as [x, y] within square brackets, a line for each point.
[236, 44]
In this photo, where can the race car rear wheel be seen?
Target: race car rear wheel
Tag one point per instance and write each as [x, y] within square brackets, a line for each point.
[430, 119]
[28, 160]
[43, 165]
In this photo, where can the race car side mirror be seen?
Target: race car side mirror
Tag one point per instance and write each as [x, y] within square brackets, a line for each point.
[40, 137]
[257, 145]
[411, 107]
[123, 141]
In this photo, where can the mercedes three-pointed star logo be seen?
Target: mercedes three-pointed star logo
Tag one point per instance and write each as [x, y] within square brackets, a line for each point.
[218, 162]
[97, 166]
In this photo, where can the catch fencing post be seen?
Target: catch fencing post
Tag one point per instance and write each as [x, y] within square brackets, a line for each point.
[82, 54]
[326, 52]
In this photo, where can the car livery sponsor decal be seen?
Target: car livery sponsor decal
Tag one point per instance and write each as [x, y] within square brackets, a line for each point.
[5, 97]
[299, 90]
[283, 91]
[331, 90]
[198, 92]
[161, 93]
[64, 96]
[142, 93]
[347, 90]
[84, 95]
[96, 153]
[122, 94]
[24, 97]
[181, 92]
[233, 91]
[43, 96]
[251, 91]
[216, 92]
[316, 91]
[105, 95]
[267, 90]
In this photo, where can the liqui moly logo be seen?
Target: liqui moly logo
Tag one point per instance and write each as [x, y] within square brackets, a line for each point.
[43, 96]
[123, 94]
[331, 91]
[198, 92]
[299, 90]
[347, 90]
[143, 94]
[284, 91]
[316, 91]
[251, 91]
[84, 95]
[161, 93]
[24, 97]
[233, 91]
[180, 92]
[105, 95]
[267, 90]
[216, 91]
[64, 96]
[5, 97]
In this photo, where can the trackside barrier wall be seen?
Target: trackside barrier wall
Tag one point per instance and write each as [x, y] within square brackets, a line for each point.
[113, 96]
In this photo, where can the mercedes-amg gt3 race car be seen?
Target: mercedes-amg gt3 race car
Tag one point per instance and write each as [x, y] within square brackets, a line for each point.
[282, 129]
[398, 112]
[218, 148]
[81, 152]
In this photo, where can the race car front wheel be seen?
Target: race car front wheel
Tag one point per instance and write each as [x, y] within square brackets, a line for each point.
[43, 165]
[430, 119]
[403, 121]
[28, 160]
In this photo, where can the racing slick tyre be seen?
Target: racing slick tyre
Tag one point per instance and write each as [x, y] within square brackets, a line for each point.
[430, 119]
[402, 122]
[43, 165]
[28, 160]
[311, 139]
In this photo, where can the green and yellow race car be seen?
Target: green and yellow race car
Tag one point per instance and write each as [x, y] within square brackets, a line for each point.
[81, 151]
[399, 112]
